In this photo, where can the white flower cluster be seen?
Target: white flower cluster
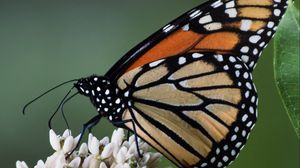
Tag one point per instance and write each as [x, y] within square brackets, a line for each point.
[117, 153]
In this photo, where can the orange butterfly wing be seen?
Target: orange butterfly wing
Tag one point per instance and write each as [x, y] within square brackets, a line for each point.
[240, 27]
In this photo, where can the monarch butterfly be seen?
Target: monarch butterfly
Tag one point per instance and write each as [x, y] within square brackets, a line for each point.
[187, 90]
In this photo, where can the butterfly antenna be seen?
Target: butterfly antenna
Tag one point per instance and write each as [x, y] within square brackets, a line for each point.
[62, 101]
[48, 91]
[62, 108]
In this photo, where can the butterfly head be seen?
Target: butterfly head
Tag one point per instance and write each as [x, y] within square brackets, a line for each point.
[90, 85]
[102, 94]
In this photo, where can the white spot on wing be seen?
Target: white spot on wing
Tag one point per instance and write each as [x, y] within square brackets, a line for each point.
[205, 19]
[226, 67]
[197, 55]
[230, 4]
[126, 94]
[213, 26]
[232, 59]
[246, 25]
[154, 64]
[260, 31]
[271, 24]
[186, 27]
[231, 12]
[277, 12]
[254, 39]
[219, 58]
[181, 60]
[245, 49]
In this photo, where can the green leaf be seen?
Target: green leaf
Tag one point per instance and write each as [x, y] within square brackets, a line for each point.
[286, 64]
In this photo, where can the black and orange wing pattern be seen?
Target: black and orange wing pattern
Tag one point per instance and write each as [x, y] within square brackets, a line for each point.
[189, 86]
[197, 109]
[239, 27]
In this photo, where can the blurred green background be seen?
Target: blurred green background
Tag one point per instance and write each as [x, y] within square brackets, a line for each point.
[43, 43]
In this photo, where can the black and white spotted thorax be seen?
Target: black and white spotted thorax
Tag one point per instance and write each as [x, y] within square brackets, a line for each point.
[107, 98]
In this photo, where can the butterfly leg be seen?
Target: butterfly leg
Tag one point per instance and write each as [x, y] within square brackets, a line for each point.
[128, 135]
[89, 125]
[121, 124]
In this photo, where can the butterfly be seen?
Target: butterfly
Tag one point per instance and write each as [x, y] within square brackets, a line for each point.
[187, 90]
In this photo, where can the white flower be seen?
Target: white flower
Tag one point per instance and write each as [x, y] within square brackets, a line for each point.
[40, 164]
[83, 150]
[119, 153]
[65, 143]
[62, 146]
[117, 136]
[21, 164]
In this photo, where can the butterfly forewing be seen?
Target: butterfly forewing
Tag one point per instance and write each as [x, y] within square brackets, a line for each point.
[191, 106]
[239, 27]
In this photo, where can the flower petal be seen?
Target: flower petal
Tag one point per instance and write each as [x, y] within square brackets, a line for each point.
[75, 162]
[90, 140]
[66, 133]
[83, 150]
[116, 149]
[102, 165]
[94, 163]
[104, 141]
[131, 139]
[40, 164]
[86, 162]
[121, 156]
[132, 149]
[126, 144]
[125, 165]
[54, 140]
[68, 144]
[118, 136]
[94, 147]
[76, 140]
[107, 151]
[21, 164]
[60, 161]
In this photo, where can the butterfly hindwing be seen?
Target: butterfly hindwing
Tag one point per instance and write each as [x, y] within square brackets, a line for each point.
[196, 109]
[239, 27]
